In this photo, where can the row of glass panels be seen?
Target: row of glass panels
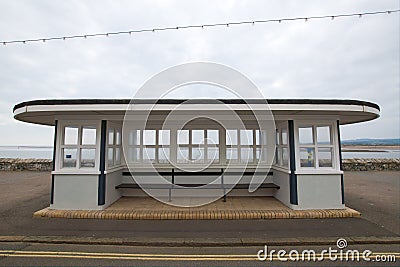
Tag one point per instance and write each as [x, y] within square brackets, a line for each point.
[195, 146]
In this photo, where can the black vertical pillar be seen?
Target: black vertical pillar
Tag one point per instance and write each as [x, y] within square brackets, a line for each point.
[102, 176]
[340, 161]
[292, 160]
[54, 162]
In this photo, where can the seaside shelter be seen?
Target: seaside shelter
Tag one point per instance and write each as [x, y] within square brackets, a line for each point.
[296, 157]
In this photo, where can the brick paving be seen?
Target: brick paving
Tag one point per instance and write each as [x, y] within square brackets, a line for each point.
[236, 208]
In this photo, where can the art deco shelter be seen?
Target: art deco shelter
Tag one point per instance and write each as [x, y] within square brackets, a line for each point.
[298, 159]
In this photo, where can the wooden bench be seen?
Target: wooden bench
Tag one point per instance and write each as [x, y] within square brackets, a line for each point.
[174, 185]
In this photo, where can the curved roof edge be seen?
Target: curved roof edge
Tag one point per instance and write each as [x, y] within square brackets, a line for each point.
[194, 101]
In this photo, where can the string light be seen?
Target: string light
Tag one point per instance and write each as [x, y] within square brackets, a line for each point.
[253, 22]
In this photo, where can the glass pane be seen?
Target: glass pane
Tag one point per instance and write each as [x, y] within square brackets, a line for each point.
[285, 156]
[261, 154]
[110, 156]
[197, 136]
[258, 137]
[323, 135]
[69, 158]
[164, 137]
[111, 136]
[277, 137]
[306, 136]
[213, 137]
[163, 155]
[325, 157]
[134, 154]
[198, 154]
[246, 137]
[117, 136]
[183, 154]
[117, 156]
[231, 137]
[277, 156]
[307, 158]
[263, 136]
[88, 157]
[183, 137]
[284, 137]
[134, 137]
[213, 154]
[149, 154]
[71, 136]
[88, 135]
[258, 153]
[231, 154]
[246, 155]
[149, 137]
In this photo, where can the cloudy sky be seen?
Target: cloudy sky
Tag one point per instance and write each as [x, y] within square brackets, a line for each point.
[347, 58]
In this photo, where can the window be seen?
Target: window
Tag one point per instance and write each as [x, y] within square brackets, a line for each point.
[282, 150]
[198, 146]
[149, 146]
[183, 155]
[232, 142]
[164, 143]
[245, 146]
[212, 146]
[134, 151]
[316, 146]
[114, 146]
[78, 146]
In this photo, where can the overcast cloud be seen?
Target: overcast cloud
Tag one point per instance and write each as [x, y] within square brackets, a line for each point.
[352, 58]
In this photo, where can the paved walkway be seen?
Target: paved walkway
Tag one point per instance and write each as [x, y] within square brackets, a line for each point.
[235, 208]
[27, 192]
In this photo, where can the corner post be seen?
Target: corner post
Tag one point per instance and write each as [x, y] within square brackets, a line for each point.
[292, 162]
[340, 160]
[102, 176]
[54, 162]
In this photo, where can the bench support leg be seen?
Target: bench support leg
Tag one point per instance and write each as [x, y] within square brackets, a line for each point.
[222, 183]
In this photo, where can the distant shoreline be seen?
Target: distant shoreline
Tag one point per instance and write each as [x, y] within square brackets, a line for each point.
[369, 148]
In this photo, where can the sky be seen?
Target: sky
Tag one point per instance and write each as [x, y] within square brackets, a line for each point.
[344, 58]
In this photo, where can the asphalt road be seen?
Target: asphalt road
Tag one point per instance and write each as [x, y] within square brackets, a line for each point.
[27, 192]
[376, 195]
[77, 255]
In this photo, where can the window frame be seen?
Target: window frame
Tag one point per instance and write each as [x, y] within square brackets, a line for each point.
[239, 146]
[116, 128]
[156, 146]
[279, 146]
[333, 144]
[79, 146]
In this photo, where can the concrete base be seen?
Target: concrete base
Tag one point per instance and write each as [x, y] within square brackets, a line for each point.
[236, 208]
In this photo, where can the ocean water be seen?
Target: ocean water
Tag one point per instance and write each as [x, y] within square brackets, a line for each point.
[387, 154]
[25, 152]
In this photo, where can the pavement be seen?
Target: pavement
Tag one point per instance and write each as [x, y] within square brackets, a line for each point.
[28, 254]
[27, 192]
[235, 208]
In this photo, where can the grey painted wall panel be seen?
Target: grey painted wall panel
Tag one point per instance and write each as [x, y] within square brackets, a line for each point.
[75, 192]
[319, 191]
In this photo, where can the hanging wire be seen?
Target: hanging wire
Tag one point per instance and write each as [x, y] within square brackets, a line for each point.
[108, 34]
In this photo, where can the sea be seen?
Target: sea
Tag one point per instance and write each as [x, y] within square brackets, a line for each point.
[46, 152]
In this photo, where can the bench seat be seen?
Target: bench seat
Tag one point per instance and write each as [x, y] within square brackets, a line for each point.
[183, 186]
[174, 185]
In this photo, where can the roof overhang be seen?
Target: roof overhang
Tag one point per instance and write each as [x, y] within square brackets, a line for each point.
[46, 111]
